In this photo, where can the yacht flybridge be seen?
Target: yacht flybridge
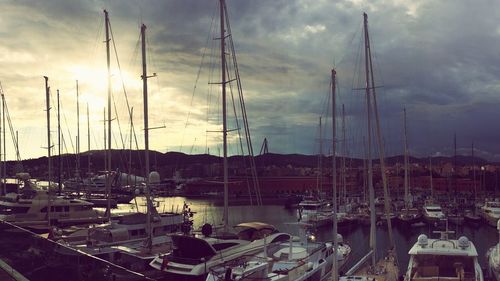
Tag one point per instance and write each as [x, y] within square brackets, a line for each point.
[443, 259]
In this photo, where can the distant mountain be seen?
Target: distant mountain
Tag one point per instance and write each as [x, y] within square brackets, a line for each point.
[171, 161]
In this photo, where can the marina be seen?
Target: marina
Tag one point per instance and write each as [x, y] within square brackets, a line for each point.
[159, 197]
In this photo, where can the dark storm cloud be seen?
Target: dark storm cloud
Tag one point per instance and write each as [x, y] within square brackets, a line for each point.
[439, 59]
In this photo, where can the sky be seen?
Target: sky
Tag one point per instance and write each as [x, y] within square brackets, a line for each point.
[437, 59]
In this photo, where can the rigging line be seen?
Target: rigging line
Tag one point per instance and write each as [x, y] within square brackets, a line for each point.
[123, 86]
[244, 113]
[67, 127]
[196, 82]
[125, 92]
[11, 128]
[350, 42]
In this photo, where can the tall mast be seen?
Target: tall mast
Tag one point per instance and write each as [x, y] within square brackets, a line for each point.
[334, 179]
[373, 242]
[47, 109]
[455, 165]
[474, 174]
[4, 166]
[430, 171]
[344, 155]
[88, 140]
[406, 162]
[2, 156]
[224, 121]
[146, 132]
[108, 151]
[320, 159]
[387, 200]
[77, 137]
[59, 183]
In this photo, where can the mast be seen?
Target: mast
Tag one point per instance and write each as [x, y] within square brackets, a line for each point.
[344, 153]
[47, 109]
[108, 150]
[146, 134]
[4, 166]
[320, 159]
[59, 158]
[77, 138]
[334, 180]
[474, 174]
[373, 242]
[455, 165]
[407, 203]
[430, 171]
[224, 121]
[130, 148]
[88, 140]
[387, 200]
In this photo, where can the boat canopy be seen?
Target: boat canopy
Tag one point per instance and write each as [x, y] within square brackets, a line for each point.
[254, 230]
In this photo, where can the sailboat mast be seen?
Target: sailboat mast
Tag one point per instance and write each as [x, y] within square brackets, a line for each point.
[77, 137]
[320, 159]
[406, 163]
[344, 155]
[3, 155]
[47, 109]
[59, 158]
[373, 242]
[88, 140]
[108, 150]
[474, 174]
[4, 166]
[387, 200]
[146, 131]
[334, 179]
[430, 172]
[224, 117]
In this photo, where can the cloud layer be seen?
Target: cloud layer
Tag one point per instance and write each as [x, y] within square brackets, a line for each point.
[439, 59]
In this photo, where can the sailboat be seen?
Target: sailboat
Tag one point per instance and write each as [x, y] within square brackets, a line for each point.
[293, 260]
[368, 267]
[407, 216]
[193, 256]
[133, 240]
[40, 209]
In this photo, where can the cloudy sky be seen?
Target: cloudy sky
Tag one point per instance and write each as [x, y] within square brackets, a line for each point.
[439, 59]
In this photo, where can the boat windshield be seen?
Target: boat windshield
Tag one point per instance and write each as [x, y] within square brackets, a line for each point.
[493, 204]
[433, 209]
[427, 266]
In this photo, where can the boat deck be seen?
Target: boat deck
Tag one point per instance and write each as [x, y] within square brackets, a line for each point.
[385, 270]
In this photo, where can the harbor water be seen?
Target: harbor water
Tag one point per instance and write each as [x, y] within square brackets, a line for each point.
[205, 211]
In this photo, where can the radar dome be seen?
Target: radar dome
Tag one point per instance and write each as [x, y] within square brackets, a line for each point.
[463, 242]
[422, 240]
[154, 177]
[340, 239]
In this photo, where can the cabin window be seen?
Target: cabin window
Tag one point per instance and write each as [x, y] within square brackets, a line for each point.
[59, 208]
[66, 208]
[134, 232]
[13, 210]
